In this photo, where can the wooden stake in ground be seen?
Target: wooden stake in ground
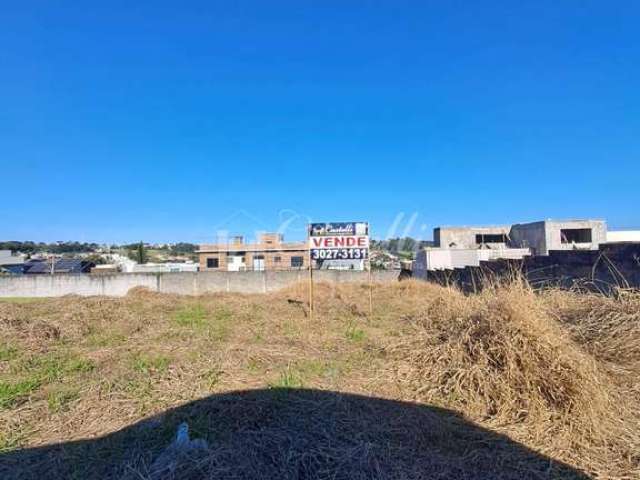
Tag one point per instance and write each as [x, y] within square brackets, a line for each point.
[370, 290]
[370, 282]
[310, 280]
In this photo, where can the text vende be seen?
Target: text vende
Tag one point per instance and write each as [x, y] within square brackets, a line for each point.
[359, 241]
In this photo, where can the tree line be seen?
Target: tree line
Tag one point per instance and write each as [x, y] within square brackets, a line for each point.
[58, 247]
[29, 247]
[399, 245]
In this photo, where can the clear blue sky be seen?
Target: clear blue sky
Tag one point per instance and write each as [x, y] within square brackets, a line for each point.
[167, 121]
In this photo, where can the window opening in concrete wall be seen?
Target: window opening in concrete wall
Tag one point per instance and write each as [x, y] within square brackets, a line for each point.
[297, 261]
[575, 235]
[490, 238]
[212, 263]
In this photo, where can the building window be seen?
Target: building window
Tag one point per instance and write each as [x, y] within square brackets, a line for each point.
[482, 238]
[212, 263]
[277, 259]
[575, 235]
[258, 263]
[297, 262]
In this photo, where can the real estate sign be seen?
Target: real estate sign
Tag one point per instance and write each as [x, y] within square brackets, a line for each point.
[344, 242]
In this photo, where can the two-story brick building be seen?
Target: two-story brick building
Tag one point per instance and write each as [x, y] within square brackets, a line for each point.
[271, 252]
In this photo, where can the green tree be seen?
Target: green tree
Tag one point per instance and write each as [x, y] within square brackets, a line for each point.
[181, 248]
[96, 258]
[138, 253]
[409, 244]
[141, 253]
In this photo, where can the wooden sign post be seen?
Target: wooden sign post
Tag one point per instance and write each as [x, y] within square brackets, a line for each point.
[338, 245]
[310, 287]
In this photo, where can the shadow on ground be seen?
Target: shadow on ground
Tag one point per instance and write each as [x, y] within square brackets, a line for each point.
[292, 434]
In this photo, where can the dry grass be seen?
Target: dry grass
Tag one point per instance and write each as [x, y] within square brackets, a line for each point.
[555, 371]
[508, 358]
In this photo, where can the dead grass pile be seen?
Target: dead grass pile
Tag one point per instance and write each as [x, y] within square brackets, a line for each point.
[501, 359]
[607, 327]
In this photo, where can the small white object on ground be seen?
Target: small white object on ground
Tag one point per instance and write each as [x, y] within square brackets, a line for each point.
[167, 461]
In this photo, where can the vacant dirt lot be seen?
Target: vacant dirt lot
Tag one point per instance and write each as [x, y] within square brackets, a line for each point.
[433, 384]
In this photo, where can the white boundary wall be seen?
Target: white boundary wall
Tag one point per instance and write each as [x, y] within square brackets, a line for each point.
[450, 258]
[623, 236]
[185, 283]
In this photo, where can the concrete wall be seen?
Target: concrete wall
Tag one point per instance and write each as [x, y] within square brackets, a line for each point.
[613, 265]
[164, 267]
[430, 259]
[529, 235]
[187, 283]
[59, 285]
[623, 236]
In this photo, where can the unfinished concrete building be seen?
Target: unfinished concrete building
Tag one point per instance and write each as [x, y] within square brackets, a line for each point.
[458, 247]
[471, 237]
[547, 235]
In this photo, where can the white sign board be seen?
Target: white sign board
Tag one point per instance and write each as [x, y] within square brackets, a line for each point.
[339, 243]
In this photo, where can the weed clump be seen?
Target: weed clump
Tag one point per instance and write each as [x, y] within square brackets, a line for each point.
[502, 359]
